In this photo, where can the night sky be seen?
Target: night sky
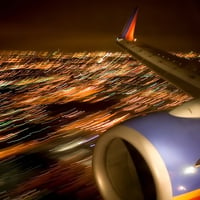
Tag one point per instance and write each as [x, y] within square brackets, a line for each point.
[90, 25]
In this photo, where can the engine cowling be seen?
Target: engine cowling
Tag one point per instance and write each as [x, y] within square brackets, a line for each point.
[154, 157]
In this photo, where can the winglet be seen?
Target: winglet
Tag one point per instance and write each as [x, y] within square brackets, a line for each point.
[129, 28]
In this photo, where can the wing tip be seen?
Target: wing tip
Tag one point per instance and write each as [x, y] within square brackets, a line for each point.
[129, 28]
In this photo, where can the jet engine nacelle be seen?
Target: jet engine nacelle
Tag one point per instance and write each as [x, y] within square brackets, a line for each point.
[153, 157]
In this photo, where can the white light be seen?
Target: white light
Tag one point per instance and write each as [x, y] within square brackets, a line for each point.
[190, 170]
[181, 188]
[100, 60]
[67, 146]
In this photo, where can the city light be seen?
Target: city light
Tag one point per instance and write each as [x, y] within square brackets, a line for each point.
[62, 103]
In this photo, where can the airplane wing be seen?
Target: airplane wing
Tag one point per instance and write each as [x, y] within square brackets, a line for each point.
[168, 66]
[155, 156]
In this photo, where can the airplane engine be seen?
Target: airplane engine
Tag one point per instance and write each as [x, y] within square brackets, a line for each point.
[152, 157]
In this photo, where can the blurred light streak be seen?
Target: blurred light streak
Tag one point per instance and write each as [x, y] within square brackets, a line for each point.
[64, 102]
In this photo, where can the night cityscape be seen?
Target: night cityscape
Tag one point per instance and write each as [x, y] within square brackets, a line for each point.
[55, 105]
[64, 82]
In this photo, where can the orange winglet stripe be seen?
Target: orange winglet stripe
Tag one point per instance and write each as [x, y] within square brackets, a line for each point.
[130, 33]
[129, 28]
